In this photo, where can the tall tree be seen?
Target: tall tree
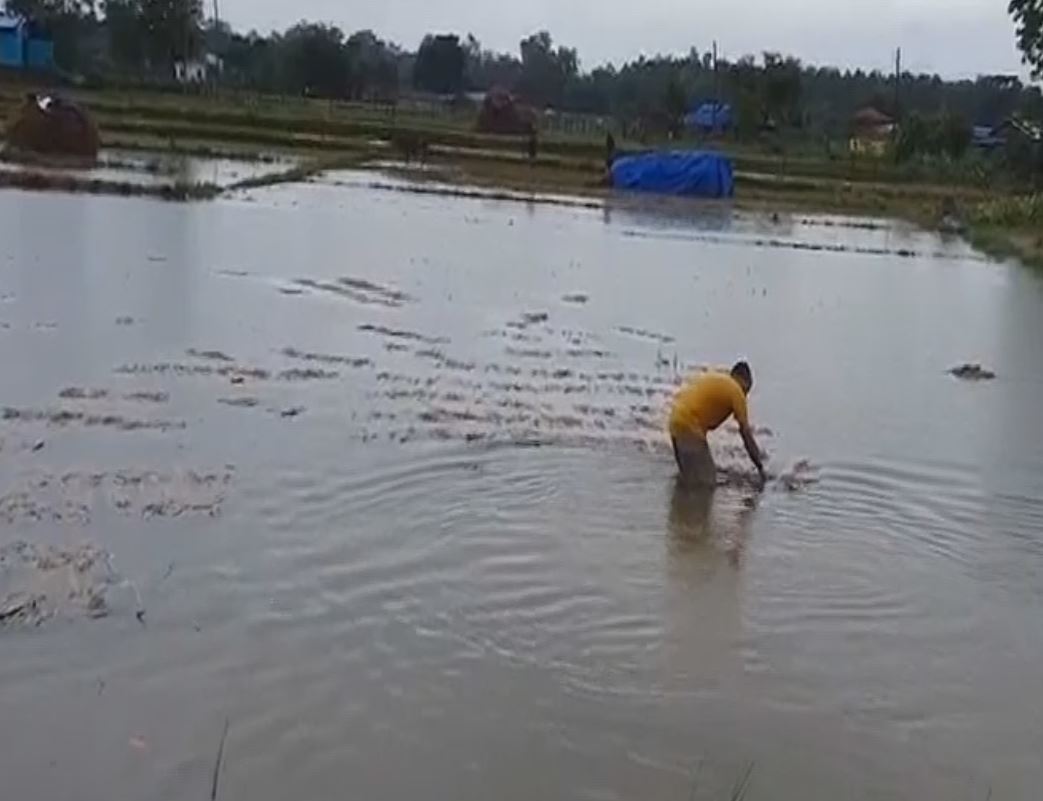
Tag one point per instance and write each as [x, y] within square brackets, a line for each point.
[545, 70]
[316, 61]
[373, 66]
[126, 33]
[1028, 14]
[173, 30]
[440, 64]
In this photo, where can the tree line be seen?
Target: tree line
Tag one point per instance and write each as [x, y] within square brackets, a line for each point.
[106, 39]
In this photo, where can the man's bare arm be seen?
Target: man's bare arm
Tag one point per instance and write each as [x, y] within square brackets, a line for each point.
[753, 450]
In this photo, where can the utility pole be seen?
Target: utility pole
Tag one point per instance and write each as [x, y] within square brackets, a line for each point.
[898, 82]
[898, 109]
[716, 90]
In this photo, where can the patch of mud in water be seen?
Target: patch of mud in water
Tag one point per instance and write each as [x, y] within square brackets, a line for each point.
[38, 583]
[972, 372]
[147, 397]
[186, 370]
[65, 417]
[397, 333]
[642, 333]
[475, 193]
[80, 393]
[177, 494]
[588, 353]
[20, 506]
[241, 403]
[358, 290]
[528, 353]
[307, 374]
[328, 358]
[209, 355]
[444, 362]
[72, 497]
[811, 247]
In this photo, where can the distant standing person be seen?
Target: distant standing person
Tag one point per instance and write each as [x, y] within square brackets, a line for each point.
[610, 151]
[533, 145]
[702, 406]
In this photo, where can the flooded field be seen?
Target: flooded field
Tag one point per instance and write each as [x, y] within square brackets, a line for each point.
[155, 169]
[345, 490]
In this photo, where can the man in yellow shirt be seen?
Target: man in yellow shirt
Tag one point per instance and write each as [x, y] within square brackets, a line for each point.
[700, 407]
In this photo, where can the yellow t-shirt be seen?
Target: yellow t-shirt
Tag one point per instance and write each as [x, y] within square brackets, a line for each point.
[705, 402]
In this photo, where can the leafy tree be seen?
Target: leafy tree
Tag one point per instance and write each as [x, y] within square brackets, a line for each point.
[315, 60]
[954, 136]
[545, 70]
[126, 33]
[782, 89]
[675, 104]
[373, 67]
[172, 30]
[1028, 15]
[440, 64]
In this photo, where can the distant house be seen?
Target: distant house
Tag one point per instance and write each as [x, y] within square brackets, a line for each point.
[871, 131]
[988, 137]
[198, 71]
[709, 118]
[1013, 131]
[12, 41]
[22, 47]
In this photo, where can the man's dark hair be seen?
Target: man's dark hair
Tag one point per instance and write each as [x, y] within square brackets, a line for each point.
[742, 371]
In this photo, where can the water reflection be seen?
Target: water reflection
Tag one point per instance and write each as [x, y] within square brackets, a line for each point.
[702, 519]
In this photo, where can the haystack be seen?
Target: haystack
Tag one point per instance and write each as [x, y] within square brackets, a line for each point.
[53, 126]
[501, 114]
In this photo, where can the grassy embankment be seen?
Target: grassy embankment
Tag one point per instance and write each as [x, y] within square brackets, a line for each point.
[321, 136]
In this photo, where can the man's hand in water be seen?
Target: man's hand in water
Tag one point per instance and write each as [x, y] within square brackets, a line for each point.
[753, 451]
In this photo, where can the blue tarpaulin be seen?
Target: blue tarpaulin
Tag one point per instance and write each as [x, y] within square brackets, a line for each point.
[679, 172]
[710, 118]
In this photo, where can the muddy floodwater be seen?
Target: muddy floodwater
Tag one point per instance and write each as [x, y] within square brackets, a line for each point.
[357, 489]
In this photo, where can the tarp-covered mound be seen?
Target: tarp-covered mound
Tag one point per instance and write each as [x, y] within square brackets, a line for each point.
[680, 172]
[53, 126]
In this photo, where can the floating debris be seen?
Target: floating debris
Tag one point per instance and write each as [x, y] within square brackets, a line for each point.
[972, 372]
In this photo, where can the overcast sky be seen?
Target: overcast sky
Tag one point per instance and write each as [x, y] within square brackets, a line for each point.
[955, 38]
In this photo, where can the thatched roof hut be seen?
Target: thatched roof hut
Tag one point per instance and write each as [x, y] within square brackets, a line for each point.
[50, 125]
